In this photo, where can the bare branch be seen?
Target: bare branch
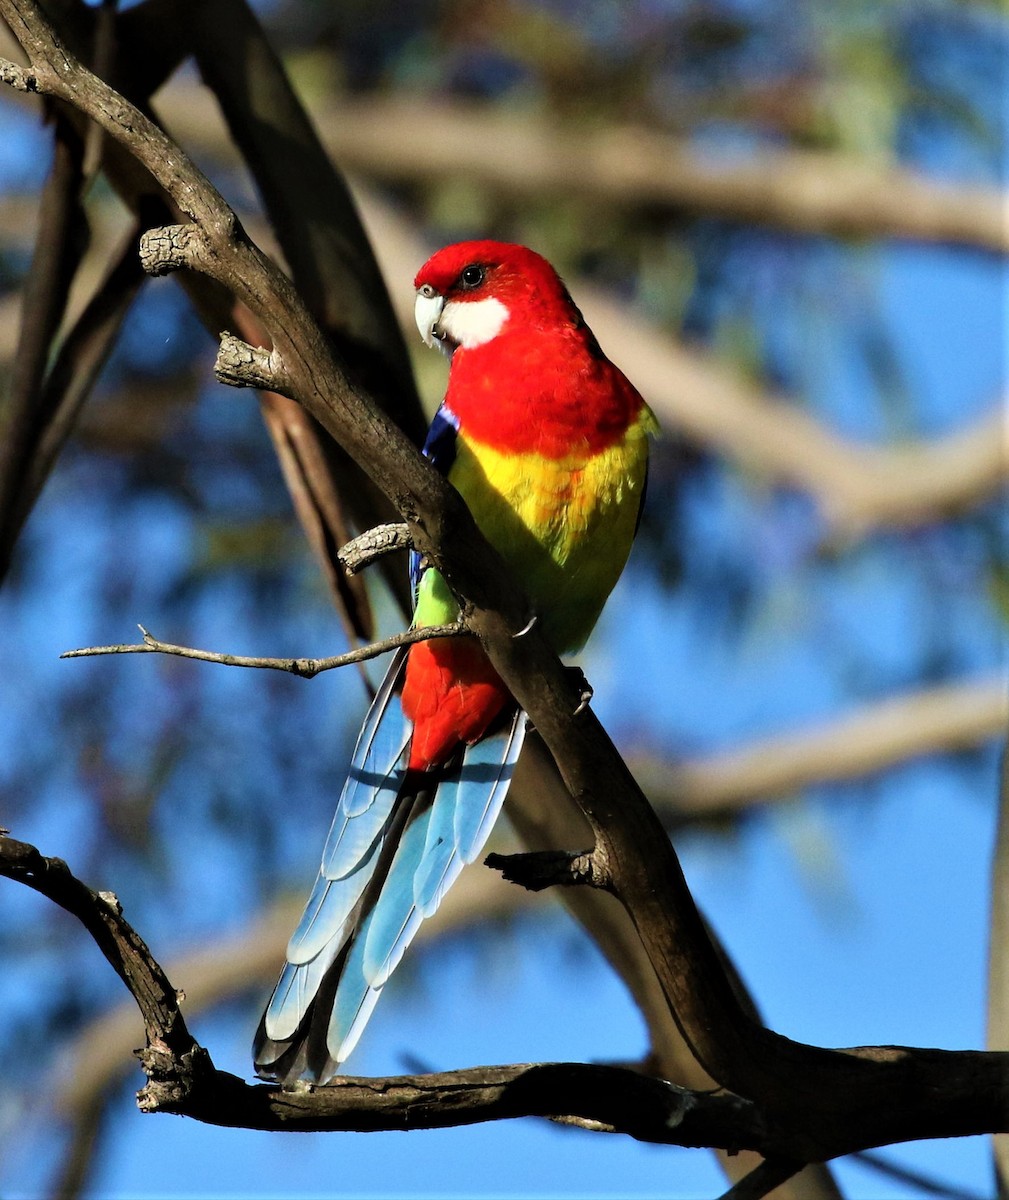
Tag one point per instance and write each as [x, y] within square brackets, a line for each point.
[241, 365]
[305, 668]
[182, 1078]
[539, 869]
[101, 915]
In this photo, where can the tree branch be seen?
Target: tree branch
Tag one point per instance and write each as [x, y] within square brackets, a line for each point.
[539, 869]
[305, 668]
[241, 365]
[399, 138]
[101, 915]
[363, 550]
[182, 1078]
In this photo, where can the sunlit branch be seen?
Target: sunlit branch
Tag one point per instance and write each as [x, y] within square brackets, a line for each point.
[306, 668]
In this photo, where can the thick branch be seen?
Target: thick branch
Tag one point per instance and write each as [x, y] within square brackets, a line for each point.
[182, 1078]
[610, 1098]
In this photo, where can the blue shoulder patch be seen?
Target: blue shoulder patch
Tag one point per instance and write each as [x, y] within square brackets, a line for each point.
[439, 447]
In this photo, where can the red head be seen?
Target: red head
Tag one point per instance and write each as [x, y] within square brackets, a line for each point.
[469, 292]
[528, 375]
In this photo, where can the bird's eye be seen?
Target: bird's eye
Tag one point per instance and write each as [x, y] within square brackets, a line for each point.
[472, 276]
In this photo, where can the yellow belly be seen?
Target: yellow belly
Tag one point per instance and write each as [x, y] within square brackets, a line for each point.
[564, 526]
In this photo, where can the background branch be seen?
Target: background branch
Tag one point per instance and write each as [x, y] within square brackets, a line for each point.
[407, 137]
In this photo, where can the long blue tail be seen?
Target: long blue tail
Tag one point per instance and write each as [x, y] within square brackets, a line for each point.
[398, 841]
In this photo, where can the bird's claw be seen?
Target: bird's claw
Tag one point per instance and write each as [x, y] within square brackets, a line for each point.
[526, 627]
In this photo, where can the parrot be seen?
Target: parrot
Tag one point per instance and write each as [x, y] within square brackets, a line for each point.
[546, 440]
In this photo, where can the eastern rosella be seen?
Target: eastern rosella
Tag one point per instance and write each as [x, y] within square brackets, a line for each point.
[547, 442]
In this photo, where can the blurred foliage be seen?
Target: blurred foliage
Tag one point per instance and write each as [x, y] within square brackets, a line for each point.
[161, 778]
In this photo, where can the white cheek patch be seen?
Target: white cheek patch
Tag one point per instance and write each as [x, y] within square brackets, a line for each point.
[471, 323]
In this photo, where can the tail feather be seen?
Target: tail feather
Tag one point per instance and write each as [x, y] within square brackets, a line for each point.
[393, 921]
[466, 807]
[487, 772]
[397, 843]
[294, 993]
[326, 915]
[379, 744]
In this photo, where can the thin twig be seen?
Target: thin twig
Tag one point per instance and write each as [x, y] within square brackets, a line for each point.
[305, 668]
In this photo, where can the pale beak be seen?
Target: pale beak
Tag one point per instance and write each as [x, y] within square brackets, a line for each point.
[427, 310]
